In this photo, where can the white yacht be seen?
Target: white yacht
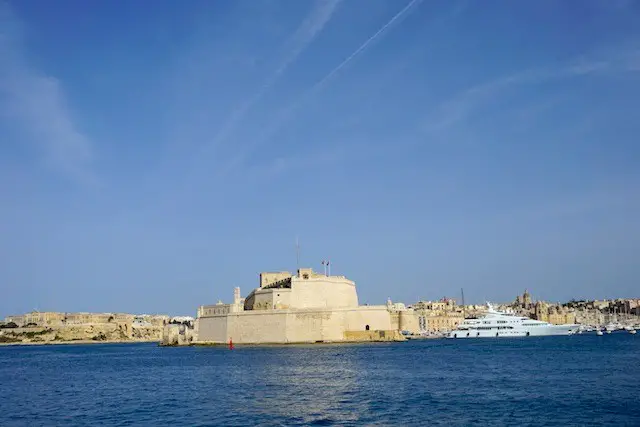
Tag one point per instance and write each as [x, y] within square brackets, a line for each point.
[499, 324]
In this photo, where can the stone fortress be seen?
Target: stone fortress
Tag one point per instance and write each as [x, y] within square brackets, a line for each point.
[307, 307]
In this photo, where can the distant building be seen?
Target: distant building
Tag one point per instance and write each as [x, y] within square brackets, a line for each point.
[524, 300]
[50, 319]
[17, 319]
[403, 318]
[438, 316]
[592, 317]
[44, 318]
[88, 318]
[554, 314]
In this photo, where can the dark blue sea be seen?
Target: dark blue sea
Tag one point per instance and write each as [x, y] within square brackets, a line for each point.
[578, 380]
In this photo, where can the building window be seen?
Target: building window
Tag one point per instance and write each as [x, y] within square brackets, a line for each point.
[366, 328]
[305, 276]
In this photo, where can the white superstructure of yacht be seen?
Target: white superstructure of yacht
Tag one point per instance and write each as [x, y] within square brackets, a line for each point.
[503, 325]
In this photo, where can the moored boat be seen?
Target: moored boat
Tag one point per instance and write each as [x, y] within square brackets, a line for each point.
[497, 324]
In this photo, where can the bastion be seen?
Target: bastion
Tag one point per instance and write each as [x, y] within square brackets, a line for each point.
[307, 307]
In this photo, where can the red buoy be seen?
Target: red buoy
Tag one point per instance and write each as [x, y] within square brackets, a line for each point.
[230, 344]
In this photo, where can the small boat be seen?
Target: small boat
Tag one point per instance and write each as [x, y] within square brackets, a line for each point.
[610, 327]
[632, 331]
[599, 333]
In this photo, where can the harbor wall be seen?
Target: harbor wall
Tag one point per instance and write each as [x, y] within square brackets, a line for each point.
[291, 326]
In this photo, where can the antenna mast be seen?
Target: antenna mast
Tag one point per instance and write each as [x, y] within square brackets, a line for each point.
[464, 315]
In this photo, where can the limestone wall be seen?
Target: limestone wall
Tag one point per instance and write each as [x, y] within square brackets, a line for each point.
[213, 329]
[363, 336]
[409, 321]
[213, 310]
[315, 325]
[260, 328]
[376, 317]
[177, 335]
[323, 292]
[268, 299]
[291, 326]
[268, 278]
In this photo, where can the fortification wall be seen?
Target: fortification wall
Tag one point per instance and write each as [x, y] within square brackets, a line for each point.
[261, 327]
[324, 292]
[409, 321]
[268, 299]
[291, 326]
[376, 317]
[212, 329]
[268, 278]
[315, 325]
[364, 336]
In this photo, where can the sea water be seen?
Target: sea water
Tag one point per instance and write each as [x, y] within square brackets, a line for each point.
[575, 380]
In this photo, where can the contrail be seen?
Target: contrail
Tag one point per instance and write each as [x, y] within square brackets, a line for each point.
[302, 38]
[299, 41]
[288, 111]
[364, 45]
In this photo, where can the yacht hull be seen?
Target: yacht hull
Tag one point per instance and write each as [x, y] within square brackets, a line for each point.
[551, 330]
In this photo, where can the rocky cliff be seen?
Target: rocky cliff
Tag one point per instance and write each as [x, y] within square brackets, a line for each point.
[109, 332]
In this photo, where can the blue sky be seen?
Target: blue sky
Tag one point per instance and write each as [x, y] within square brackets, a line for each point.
[154, 156]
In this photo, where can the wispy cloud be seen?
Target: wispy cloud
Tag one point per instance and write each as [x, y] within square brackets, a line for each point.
[287, 112]
[36, 103]
[465, 103]
[323, 158]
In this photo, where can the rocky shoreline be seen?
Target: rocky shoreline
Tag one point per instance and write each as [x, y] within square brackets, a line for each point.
[76, 342]
[81, 334]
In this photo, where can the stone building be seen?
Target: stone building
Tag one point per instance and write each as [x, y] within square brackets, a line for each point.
[438, 316]
[87, 318]
[403, 318]
[554, 314]
[17, 319]
[524, 301]
[44, 318]
[592, 317]
[50, 319]
[307, 307]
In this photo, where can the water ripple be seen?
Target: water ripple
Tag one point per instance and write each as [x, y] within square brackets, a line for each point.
[579, 380]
